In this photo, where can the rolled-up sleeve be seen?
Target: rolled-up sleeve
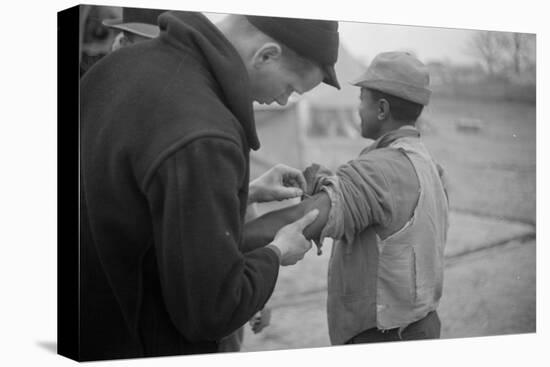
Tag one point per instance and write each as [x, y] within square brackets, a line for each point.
[360, 197]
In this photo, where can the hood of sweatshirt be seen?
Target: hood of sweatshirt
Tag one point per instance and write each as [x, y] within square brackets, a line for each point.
[190, 30]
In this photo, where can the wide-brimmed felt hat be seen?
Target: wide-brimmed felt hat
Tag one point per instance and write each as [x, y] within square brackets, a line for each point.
[314, 40]
[399, 74]
[139, 21]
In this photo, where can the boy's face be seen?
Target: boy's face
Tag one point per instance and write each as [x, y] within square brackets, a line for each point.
[371, 125]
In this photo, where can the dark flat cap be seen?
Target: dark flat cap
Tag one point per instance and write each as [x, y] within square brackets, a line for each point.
[140, 21]
[314, 40]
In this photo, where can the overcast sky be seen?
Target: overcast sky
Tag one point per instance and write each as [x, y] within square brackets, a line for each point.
[366, 40]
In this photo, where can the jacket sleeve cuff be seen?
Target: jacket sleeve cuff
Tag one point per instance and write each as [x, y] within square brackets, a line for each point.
[276, 250]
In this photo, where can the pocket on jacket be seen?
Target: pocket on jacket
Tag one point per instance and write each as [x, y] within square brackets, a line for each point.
[397, 275]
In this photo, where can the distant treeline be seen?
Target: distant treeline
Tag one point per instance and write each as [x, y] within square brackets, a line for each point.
[506, 70]
[490, 89]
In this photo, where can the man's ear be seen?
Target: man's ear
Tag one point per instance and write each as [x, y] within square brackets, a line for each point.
[267, 53]
[383, 109]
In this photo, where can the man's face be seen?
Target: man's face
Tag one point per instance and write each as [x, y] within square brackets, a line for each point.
[371, 125]
[276, 81]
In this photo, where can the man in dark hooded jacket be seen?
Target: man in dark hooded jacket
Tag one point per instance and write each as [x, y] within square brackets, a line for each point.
[166, 130]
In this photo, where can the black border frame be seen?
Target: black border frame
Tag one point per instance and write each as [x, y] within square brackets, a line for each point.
[68, 183]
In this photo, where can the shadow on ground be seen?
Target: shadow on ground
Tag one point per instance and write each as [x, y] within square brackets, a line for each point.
[50, 346]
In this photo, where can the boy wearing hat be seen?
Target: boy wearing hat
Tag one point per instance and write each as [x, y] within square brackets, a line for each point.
[387, 211]
[136, 25]
[166, 130]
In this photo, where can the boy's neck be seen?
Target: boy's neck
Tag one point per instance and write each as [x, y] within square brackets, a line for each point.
[389, 137]
[392, 125]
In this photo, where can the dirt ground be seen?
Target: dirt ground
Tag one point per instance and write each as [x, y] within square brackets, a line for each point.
[492, 292]
[488, 291]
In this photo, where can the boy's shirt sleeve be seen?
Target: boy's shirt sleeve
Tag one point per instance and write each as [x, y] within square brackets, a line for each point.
[360, 197]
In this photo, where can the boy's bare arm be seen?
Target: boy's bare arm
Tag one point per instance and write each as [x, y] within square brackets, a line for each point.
[261, 231]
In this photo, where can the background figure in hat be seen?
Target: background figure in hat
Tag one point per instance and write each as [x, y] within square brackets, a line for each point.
[135, 25]
[166, 130]
[387, 211]
[95, 39]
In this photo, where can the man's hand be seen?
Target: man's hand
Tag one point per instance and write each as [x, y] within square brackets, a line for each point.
[314, 176]
[290, 239]
[279, 183]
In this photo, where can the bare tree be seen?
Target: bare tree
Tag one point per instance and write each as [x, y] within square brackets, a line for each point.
[505, 52]
[489, 47]
[516, 52]
[516, 47]
[523, 51]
